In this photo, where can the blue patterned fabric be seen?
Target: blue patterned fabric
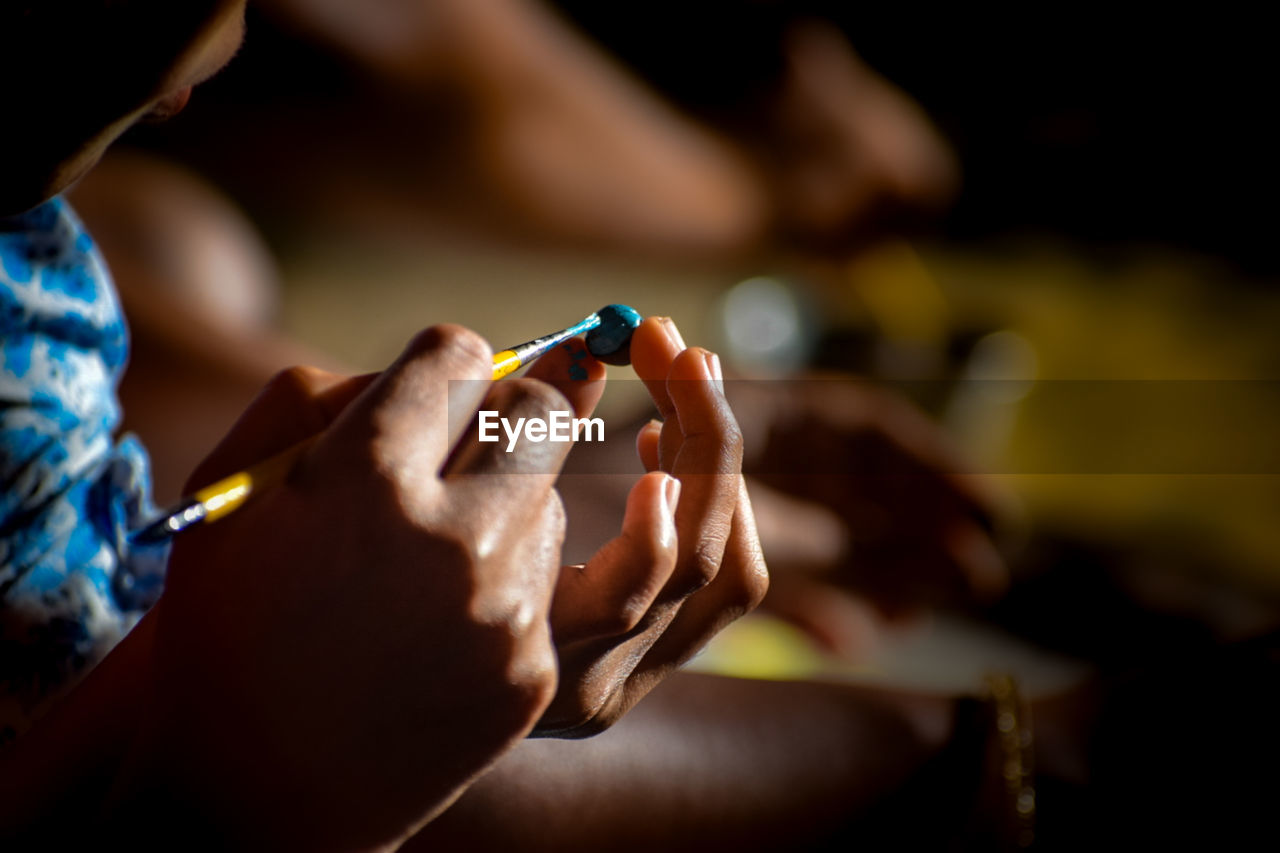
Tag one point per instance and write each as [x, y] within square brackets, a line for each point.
[70, 584]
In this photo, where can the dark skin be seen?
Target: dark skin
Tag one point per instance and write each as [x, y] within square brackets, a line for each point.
[864, 514]
[710, 763]
[250, 725]
[705, 763]
[919, 532]
[336, 661]
[401, 554]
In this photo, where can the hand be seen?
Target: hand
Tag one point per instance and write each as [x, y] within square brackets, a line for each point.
[899, 525]
[687, 561]
[337, 659]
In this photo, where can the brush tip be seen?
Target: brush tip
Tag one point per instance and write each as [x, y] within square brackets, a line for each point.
[610, 342]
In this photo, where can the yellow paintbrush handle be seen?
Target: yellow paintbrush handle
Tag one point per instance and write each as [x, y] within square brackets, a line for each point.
[229, 493]
[507, 361]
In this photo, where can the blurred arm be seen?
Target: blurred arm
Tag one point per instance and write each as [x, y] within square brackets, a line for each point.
[707, 761]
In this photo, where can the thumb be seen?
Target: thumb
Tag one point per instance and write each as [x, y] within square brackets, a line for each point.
[572, 371]
[609, 595]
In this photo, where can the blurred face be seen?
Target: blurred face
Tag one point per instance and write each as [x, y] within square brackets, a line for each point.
[212, 50]
[134, 75]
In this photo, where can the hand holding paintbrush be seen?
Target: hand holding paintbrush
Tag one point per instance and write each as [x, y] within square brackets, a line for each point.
[608, 334]
[359, 639]
[339, 656]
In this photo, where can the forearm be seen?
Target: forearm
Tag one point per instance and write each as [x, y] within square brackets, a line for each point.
[411, 43]
[712, 761]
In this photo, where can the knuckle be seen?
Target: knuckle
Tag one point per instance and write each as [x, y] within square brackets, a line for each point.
[632, 611]
[290, 382]
[632, 603]
[757, 586]
[702, 568]
[503, 601]
[463, 342]
[724, 439]
[747, 589]
[502, 608]
[624, 616]
[731, 439]
[520, 678]
[504, 633]
[532, 679]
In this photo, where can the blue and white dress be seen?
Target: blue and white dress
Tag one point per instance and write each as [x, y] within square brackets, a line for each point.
[70, 584]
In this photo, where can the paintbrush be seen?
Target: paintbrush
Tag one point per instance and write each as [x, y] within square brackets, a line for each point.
[608, 334]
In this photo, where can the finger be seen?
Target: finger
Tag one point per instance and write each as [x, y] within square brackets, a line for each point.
[660, 345]
[495, 500]
[738, 587]
[571, 370]
[978, 499]
[297, 403]
[982, 568]
[699, 443]
[707, 462]
[610, 595]
[417, 409]
[528, 459]
[647, 444]
[654, 347]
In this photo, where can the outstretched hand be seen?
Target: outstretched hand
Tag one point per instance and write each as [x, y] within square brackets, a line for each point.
[687, 561]
[867, 512]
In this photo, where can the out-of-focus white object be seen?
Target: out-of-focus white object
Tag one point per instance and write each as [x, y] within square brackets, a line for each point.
[1000, 372]
[767, 327]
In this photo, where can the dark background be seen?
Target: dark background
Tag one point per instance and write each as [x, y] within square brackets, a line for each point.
[1103, 123]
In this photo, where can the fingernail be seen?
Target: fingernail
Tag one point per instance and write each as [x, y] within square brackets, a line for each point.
[669, 326]
[713, 367]
[671, 494]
